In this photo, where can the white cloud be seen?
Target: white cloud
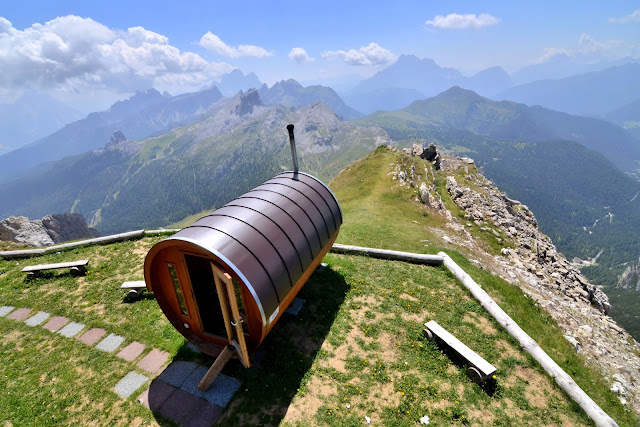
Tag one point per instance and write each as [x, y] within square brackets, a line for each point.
[589, 49]
[632, 17]
[455, 21]
[300, 55]
[213, 43]
[73, 53]
[373, 54]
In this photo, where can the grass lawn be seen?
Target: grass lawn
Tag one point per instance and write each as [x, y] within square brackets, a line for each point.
[355, 350]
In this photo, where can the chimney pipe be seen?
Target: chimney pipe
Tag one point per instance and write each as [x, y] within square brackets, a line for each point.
[292, 142]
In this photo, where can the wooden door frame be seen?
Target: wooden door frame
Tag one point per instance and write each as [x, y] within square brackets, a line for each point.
[231, 313]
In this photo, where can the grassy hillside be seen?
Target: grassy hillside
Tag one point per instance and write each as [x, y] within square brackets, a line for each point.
[355, 349]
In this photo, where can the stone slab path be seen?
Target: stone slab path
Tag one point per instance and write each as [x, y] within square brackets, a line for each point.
[174, 393]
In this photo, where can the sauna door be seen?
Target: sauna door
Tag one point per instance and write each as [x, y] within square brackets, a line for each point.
[229, 305]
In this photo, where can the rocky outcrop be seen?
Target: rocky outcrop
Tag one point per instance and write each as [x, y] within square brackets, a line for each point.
[630, 279]
[246, 102]
[49, 230]
[427, 152]
[534, 251]
[529, 260]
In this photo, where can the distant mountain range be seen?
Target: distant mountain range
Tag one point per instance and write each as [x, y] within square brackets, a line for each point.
[463, 110]
[411, 78]
[235, 81]
[238, 144]
[290, 93]
[628, 117]
[591, 94]
[150, 113]
[32, 117]
[146, 113]
[563, 65]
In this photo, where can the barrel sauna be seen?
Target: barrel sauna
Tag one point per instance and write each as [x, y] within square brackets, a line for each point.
[227, 279]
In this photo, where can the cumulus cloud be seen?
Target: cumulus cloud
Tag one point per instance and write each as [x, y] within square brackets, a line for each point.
[373, 54]
[300, 55]
[632, 17]
[589, 49]
[455, 21]
[75, 53]
[214, 44]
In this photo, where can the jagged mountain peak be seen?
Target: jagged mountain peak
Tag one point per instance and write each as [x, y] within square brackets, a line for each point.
[236, 80]
[245, 102]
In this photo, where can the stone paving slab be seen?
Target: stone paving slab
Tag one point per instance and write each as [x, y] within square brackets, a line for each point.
[153, 361]
[157, 393]
[20, 314]
[161, 395]
[110, 343]
[205, 416]
[191, 346]
[295, 306]
[187, 376]
[55, 323]
[177, 372]
[92, 336]
[130, 352]
[130, 383]
[6, 309]
[72, 329]
[188, 410]
[37, 319]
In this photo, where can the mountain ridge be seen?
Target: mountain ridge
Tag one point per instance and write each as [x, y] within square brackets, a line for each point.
[240, 143]
[143, 114]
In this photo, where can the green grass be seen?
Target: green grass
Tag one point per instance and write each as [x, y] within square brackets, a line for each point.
[357, 340]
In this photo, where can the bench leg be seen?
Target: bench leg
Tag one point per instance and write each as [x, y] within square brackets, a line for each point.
[32, 275]
[78, 271]
[475, 375]
[135, 293]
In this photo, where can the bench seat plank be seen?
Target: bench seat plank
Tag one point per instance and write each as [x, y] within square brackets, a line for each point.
[41, 267]
[486, 368]
[138, 284]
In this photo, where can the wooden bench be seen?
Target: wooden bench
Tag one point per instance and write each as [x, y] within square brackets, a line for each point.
[77, 268]
[479, 370]
[135, 288]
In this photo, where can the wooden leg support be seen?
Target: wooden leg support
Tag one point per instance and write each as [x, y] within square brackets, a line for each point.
[215, 369]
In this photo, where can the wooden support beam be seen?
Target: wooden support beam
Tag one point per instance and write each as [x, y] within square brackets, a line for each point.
[530, 346]
[216, 368]
[387, 254]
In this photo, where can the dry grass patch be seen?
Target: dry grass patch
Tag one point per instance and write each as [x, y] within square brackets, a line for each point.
[480, 322]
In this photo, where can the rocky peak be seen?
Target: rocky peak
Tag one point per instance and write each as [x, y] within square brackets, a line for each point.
[116, 138]
[140, 100]
[245, 102]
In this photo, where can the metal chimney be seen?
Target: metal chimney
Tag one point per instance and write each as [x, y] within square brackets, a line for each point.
[292, 142]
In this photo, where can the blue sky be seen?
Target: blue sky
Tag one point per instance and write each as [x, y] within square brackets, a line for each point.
[44, 45]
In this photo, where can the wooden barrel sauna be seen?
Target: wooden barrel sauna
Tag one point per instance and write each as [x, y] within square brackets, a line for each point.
[227, 279]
